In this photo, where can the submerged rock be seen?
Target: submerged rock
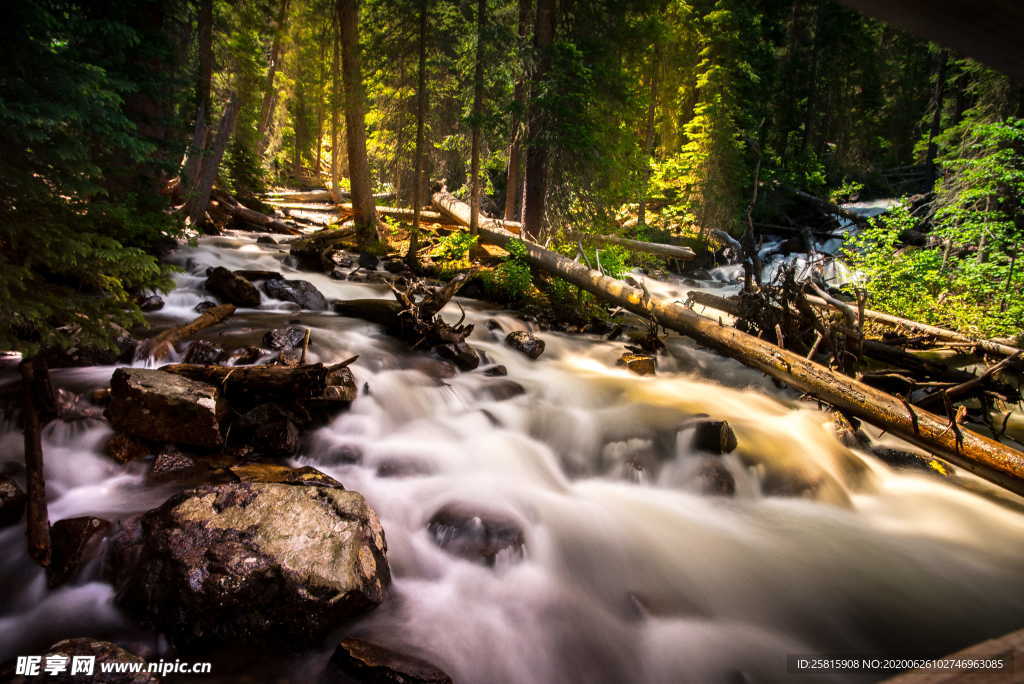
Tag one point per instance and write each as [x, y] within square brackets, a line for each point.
[12, 502]
[476, 534]
[163, 407]
[232, 288]
[251, 564]
[269, 430]
[300, 292]
[74, 542]
[641, 364]
[713, 478]
[265, 240]
[459, 353]
[355, 660]
[525, 342]
[204, 306]
[103, 653]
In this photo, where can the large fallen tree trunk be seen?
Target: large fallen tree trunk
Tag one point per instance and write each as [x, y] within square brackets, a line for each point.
[941, 333]
[670, 251]
[246, 381]
[345, 209]
[459, 212]
[233, 208]
[160, 346]
[319, 196]
[829, 207]
[986, 457]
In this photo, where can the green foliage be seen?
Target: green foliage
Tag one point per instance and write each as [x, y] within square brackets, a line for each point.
[511, 280]
[455, 246]
[71, 230]
[971, 280]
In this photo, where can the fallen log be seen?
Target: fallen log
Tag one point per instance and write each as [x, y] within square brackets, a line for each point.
[34, 383]
[988, 458]
[248, 382]
[670, 251]
[161, 345]
[458, 211]
[941, 333]
[319, 196]
[967, 387]
[346, 209]
[233, 208]
[829, 207]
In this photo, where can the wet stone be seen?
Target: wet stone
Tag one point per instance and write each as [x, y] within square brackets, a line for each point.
[125, 448]
[284, 338]
[477, 534]
[203, 352]
[150, 303]
[279, 474]
[495, 371]
[641, 364]
[243, 356]
[172, 464]
[714, 436]
[251, 564]
[74, 543]
[232, 288]
[712, 478]
[265, 240]
[525, 342]
[301, 292]
[104, 652]
[204, 306]
[459, 353]
[12, 502]
[355, 660]
[368, 261]
[269, 430]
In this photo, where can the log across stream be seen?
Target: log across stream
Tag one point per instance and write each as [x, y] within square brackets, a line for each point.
[616, 564]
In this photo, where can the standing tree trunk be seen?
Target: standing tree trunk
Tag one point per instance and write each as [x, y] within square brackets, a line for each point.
[269, 92]
[194, 162]
[938, 99]
[335, 106]
[421, 115]
[355, 125]
[536, 151]
[201, 197]
[320, 114]
[515, 161]
[478, 97]
[35, 384]
[641, 214]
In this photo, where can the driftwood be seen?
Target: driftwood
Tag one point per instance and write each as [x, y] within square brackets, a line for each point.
[161, 345]
[972, 451]
[670, 251]
[35, 384]
[230, 206]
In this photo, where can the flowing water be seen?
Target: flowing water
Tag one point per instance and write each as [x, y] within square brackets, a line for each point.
[629, 574]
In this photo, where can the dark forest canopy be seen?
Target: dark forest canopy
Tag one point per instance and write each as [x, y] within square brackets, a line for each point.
[652, 118]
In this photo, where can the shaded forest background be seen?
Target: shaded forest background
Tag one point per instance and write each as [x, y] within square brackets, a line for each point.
[663, 120]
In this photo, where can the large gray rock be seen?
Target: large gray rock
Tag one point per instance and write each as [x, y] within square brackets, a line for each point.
[164, 407]
[252, 563]
[232, 288]
[301, 292]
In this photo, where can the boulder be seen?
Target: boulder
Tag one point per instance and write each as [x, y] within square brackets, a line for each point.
[125, 448]
[355, 660]
[641, 364]
[459, 353]
[203, 352]
[300, 292]
[284, 338]
[525, 342]
[150, 303]
[12, 502]
[74, 542]
[251, 564]
[476, 534]
[232, 288]
[269, 430]
[163, 407]
[714, 436]
[98, 653]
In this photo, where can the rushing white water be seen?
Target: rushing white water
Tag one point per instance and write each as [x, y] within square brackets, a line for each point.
[628, 574]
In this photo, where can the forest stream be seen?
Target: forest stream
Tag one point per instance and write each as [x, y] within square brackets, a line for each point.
[617, 568]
